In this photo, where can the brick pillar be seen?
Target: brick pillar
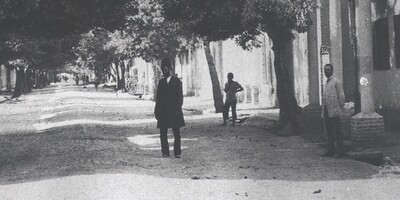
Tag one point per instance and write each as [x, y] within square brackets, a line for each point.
[367, 127]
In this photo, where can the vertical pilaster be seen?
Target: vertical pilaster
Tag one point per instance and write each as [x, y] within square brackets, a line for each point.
[314, 64]
[335, 24]
[312, 113]
[364, 51]
[392, 55]
[367, 127]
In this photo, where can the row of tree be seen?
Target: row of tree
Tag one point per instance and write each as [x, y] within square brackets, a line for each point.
[40, 34]
[100, 33]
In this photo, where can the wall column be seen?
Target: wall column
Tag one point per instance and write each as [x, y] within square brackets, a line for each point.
[367, 127]
[335, 24]
[314, 63]
[312, 113]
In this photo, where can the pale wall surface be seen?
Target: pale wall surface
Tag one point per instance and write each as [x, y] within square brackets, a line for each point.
[387, 88]
[3, 78]
[252, 69]
[300, 67]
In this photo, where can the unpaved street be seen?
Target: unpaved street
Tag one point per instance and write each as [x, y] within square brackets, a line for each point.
[69, 142]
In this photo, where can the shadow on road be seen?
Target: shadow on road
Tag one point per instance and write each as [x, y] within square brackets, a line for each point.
[214, 152]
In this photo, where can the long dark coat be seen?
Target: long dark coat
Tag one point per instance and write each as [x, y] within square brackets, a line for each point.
[168, 110]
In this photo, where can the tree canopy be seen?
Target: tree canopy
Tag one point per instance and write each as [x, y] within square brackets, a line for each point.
[245, 20]
[43, 32]
[55, 18]
[240, 19]
[153, 36]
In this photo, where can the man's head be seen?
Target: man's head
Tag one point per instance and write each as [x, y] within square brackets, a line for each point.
[166, 67]
[230, 76]
[328, 70]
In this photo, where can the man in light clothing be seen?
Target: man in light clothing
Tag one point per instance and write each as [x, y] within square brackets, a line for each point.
[231, 88]
[332, 106]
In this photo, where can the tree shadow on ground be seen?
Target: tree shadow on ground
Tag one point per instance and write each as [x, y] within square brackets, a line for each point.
[214, 152]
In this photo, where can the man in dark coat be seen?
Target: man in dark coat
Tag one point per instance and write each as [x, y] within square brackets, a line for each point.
[168, 110]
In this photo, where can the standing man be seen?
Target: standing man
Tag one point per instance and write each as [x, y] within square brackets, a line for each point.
[332, 106]
[231, 88]
[168, 109]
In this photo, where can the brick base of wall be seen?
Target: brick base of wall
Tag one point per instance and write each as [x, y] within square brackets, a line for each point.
[367, 130]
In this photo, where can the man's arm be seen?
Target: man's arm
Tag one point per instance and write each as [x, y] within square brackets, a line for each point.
[239, 88]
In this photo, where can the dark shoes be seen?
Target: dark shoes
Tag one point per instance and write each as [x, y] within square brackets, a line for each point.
[166, 156]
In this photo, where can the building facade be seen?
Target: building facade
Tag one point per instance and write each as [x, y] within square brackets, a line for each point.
[7, 78]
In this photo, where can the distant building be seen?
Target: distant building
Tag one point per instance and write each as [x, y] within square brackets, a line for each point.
[7, 78]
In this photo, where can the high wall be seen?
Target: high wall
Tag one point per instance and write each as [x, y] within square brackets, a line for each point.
[13, 78]
[300, 69]
[350, 74]
[387, 81]
[254, 70]
[348, 71]
[184, 70]
[142, 72]
[200, 75]
[3, 78]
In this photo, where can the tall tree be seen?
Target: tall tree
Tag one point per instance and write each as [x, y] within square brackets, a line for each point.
[279, 19]
[27, 54]
[245, 20]
[153, 37]
[92, 53]
[55, 19]
[211, 20]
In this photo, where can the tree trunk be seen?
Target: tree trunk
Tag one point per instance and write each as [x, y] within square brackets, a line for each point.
[217, 94]
[122, 64]
[19, 85]
[111, 76]
[118, 81]
[289, 110]
[112, 73]
[28, 80]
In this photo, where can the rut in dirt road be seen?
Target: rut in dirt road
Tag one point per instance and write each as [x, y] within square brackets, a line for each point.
[80, 131]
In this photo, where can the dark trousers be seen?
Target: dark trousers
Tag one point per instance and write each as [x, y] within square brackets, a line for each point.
[226, 110]
[164, 141]
[334, 133]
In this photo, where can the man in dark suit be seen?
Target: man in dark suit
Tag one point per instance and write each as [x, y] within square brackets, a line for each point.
[168, 110]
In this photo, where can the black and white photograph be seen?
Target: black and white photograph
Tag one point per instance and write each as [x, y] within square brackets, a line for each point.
[199, 99]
